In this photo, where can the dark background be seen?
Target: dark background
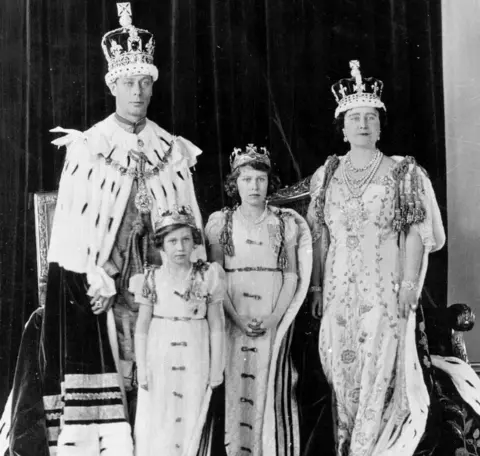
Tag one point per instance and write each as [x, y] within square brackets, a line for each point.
[231, 72]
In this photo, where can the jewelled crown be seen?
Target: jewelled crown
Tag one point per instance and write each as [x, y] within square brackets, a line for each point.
[251, 154]
[128, 50]
[182, 215]
[356, 92]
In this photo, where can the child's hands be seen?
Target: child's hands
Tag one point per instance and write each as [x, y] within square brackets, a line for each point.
[270, 322]
[251, 327]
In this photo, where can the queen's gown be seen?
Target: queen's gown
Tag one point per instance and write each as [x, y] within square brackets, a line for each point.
[361, 337]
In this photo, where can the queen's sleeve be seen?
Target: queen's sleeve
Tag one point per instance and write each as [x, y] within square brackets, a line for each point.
[214, 227]
[312, 216]
[431, 228]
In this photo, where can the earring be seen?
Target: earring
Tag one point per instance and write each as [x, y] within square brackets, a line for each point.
[345, 139]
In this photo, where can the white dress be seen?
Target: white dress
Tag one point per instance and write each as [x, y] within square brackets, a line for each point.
[253, 285]
[361, 330]
[178, 364]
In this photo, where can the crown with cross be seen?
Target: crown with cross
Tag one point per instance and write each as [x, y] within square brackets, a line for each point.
[356, 92]
[128, 50]
[252, 153]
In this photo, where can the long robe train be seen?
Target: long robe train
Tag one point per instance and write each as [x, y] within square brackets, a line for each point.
[66, 397]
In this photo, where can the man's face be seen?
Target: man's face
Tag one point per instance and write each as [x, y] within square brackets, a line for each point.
[132, 95]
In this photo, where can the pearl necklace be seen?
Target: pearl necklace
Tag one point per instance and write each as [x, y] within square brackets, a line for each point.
[353, 169]
[357, 187]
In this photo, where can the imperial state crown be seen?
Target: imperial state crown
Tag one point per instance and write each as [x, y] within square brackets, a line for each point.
[128, 49]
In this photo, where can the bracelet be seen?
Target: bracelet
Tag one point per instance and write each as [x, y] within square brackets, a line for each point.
[408, 285]
[315, 288]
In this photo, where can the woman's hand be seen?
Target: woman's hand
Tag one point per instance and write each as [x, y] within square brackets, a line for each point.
[316, 304]
[100, 303]
[251, 327]
[407, 301]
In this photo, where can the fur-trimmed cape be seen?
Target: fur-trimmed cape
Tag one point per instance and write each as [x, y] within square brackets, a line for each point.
[96, 183]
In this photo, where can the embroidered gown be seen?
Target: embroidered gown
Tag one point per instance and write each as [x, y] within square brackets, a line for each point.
[359, 333]
[253, 285]
[178, 364]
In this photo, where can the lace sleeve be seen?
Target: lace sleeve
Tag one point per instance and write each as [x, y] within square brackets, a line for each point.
[214, 227]
[312, 218]
[431, 229]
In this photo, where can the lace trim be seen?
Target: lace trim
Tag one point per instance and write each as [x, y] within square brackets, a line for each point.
[194, 289]
[92, 396]
[226, 236]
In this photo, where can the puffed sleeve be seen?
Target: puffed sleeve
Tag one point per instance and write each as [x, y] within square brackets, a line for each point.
[142, 287]
[216, 283]
[312, 218]
[431, 229]
[291, 232]
[214, 227]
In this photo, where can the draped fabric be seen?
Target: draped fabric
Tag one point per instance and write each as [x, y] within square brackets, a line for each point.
[231, 72]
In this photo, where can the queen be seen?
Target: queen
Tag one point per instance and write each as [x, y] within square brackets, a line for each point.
[374, 221]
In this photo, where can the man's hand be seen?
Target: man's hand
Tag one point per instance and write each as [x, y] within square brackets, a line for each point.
[316, 304]
[100, 304]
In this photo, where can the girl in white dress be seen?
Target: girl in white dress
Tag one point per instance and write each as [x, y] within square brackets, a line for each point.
[178, 343]
[264, 250]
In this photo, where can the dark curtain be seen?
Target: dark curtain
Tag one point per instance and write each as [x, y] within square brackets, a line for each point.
[231, 72]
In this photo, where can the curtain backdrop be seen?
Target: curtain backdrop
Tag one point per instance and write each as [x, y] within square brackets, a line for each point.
[231, 72]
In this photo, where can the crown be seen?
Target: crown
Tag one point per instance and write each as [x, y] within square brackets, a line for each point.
[128, 50]
[178, 215]
[356, 92]
[251, 154]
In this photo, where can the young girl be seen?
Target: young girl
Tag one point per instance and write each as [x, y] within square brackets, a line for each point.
[260, 247]
[178, 342]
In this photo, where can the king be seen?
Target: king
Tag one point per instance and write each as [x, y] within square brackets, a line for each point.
[117, 177]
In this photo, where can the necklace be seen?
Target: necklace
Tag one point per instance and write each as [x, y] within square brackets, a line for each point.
[253, 227]
[353, 169]
[356, 186]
